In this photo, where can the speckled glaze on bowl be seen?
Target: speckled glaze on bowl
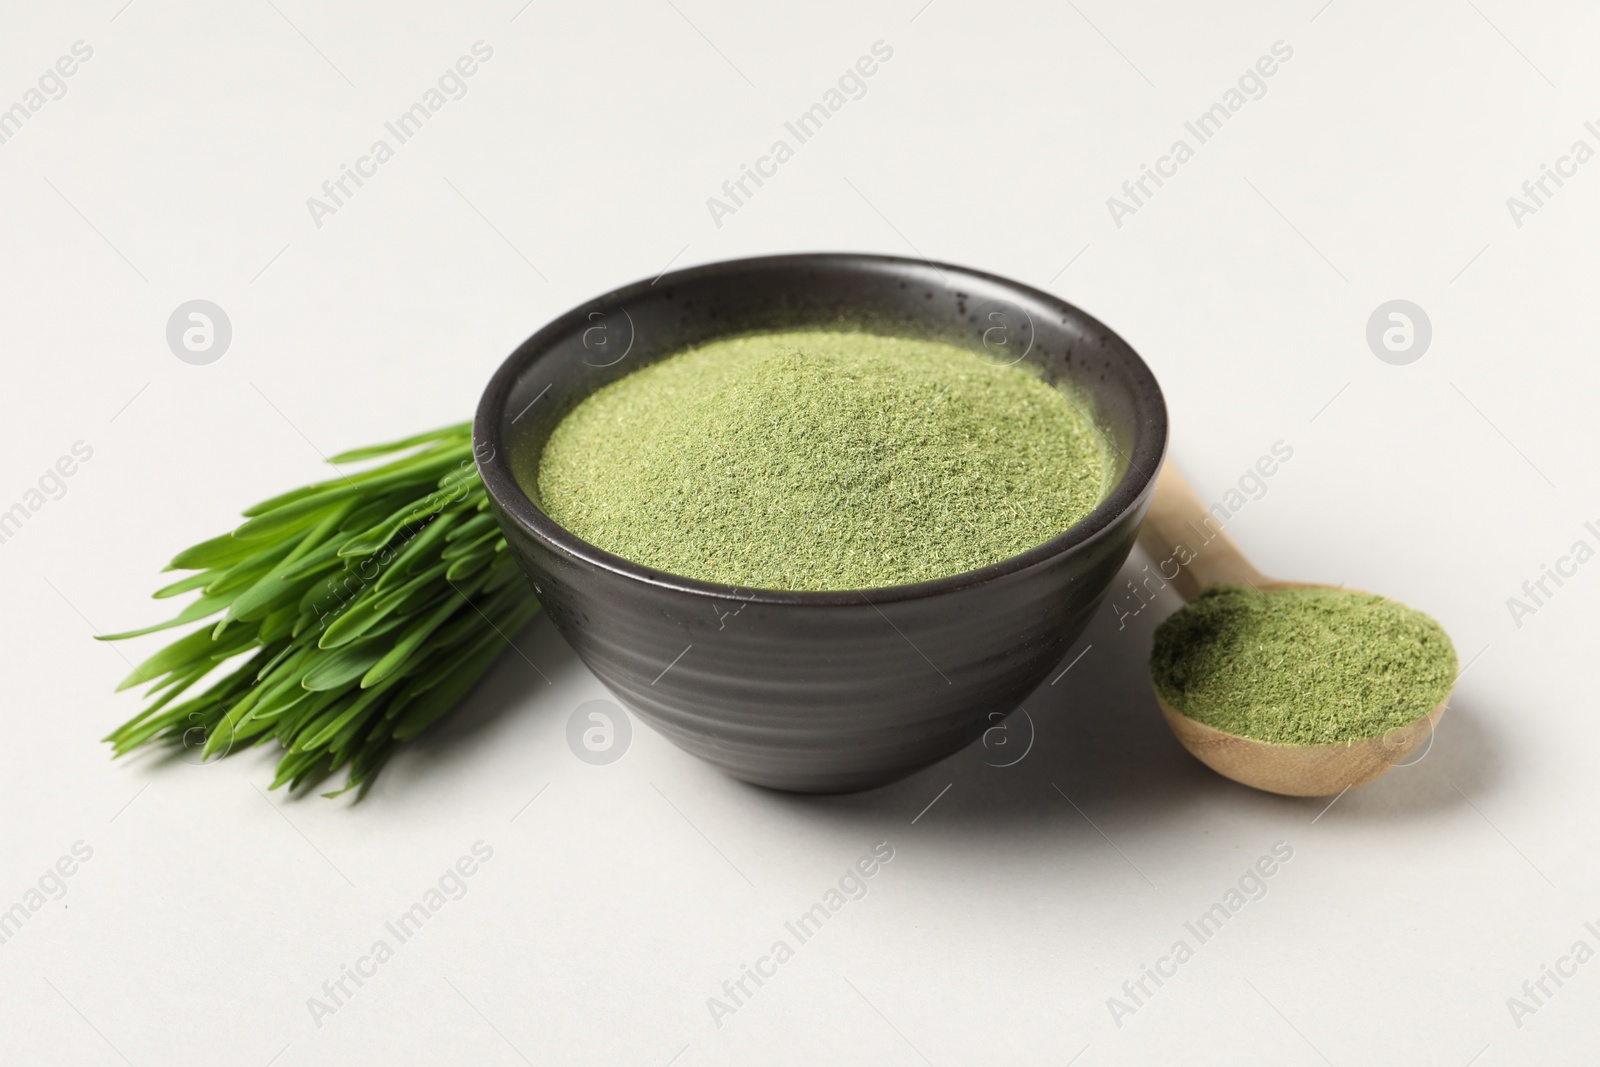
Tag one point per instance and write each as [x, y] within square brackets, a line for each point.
[834, 691]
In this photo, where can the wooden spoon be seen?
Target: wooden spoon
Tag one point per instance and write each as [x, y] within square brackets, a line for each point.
[1180, 528]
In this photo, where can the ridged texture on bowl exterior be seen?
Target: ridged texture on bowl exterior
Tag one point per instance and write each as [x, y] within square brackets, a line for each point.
[826, 698]
[817, 692]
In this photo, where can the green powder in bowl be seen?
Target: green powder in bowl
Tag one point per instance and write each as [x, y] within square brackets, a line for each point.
[1301, 666]
[821, 460]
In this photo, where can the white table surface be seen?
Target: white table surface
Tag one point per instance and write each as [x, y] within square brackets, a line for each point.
[1377, 166]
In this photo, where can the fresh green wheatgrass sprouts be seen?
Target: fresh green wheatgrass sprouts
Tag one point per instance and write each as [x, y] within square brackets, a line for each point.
[355, 612]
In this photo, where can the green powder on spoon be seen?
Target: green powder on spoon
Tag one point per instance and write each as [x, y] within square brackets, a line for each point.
[1301, 666]
[823, 460]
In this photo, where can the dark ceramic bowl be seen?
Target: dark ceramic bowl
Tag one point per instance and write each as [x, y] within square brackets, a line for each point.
[834, 691]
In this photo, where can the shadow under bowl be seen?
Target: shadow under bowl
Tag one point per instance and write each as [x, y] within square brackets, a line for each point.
[818, 692]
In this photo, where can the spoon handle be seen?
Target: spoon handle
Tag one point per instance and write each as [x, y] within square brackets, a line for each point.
[1181, 534]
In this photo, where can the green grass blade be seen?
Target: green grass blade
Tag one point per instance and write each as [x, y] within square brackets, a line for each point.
[181, 653]
[348, 716]
[206, 605]
[271, 588]
[478, 524]
[419, 553]
[183, 585]
[356, 455]
[440, 698]
[405, 648]
[339, 668]
[356, 620]
[217, 553]
[468, 545]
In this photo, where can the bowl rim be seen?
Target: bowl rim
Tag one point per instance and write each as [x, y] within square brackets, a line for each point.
[494, 465]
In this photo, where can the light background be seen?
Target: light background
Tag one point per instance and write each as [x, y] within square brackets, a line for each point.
[1377, 166]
